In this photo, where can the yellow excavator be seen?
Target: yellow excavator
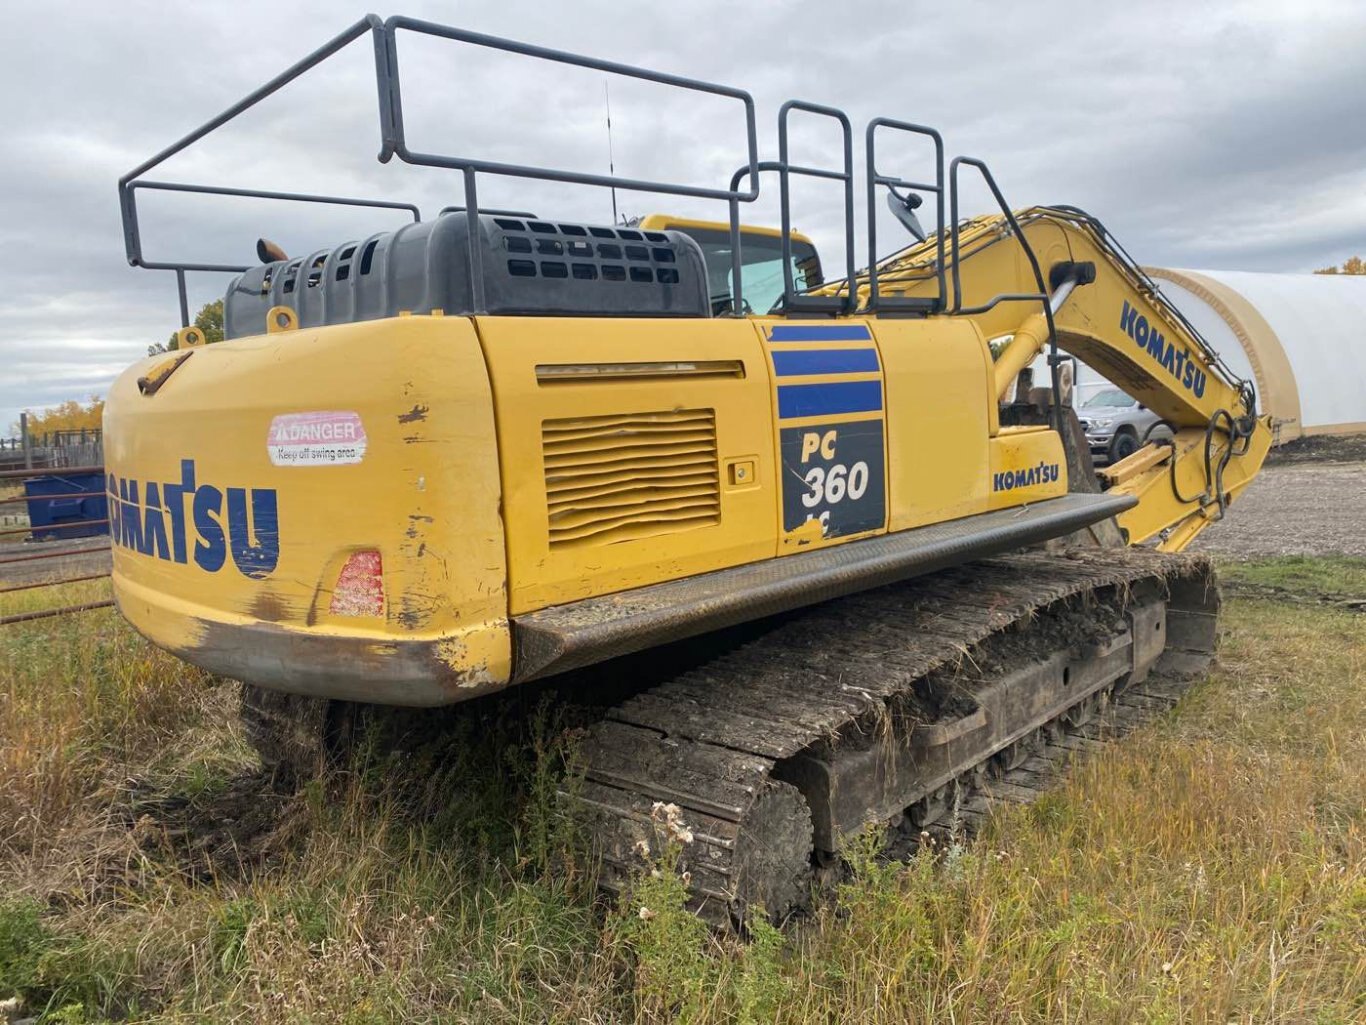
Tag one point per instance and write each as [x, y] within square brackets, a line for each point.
[490, 447]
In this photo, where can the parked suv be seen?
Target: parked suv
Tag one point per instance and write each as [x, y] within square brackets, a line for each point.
[1117, 424]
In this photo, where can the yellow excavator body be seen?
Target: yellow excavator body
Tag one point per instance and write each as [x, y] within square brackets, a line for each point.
[490, 447]
[364, 510]
[497, 466]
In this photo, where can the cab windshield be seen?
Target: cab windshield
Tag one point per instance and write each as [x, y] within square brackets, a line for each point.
[762, 268]
[1108, 397]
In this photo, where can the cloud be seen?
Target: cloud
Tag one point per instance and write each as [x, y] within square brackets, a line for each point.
[1228, 138]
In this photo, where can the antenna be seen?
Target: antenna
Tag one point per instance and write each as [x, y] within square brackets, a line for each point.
[611, 161]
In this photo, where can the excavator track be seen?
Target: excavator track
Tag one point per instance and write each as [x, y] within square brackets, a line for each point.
[912, 706]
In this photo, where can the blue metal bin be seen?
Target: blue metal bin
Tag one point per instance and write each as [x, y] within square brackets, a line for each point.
[48, 510]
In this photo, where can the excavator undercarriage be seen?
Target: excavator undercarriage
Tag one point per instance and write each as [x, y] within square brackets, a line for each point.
[894, 707]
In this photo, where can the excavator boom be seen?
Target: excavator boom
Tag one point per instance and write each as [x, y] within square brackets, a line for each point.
[1105, 311]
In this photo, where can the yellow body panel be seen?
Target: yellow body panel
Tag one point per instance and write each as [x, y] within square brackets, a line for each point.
[668, 222]
[1026, 466]
[511, 464]
[939, 420]
[665, 355]
[192, 564]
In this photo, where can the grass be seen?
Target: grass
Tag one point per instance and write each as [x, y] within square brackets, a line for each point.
[1211, 867]
[12, 513]
[1299, 575]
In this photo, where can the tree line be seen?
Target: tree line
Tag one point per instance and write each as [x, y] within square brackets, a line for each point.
[1353, 265]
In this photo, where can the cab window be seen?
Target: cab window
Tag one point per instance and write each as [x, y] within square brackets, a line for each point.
[762, 269]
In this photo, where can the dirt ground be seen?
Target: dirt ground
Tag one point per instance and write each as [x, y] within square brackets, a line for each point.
[1296, 506]
[1321, 448]
[93, 557]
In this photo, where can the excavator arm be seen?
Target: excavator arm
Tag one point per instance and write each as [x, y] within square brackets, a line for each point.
[1106, 312]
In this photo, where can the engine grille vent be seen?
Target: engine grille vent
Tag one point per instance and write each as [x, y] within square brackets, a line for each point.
[626, 476]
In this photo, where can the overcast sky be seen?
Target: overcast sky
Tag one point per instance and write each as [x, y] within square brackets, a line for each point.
[1206, 135]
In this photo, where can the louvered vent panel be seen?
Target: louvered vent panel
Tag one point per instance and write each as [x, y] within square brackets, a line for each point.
[630, 475]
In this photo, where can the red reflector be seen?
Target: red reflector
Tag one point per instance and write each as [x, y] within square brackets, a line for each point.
[360, 586]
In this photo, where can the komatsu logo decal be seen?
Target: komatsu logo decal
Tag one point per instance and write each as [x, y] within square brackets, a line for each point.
[1149, 338]
[164, 519]
[1009, 480]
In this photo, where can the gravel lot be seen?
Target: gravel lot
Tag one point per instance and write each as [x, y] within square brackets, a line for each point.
[94, 558]
[1295, 508]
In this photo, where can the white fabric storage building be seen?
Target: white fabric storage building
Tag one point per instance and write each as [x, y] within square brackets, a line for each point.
[1300, 337]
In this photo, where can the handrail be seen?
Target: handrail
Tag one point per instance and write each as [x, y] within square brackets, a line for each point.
[794, 301]
[737, 295]
[957, 306]
[1041, 296]
[370, 23]
[394, 142]
[130, 183]
[874, 179]
[223, 190]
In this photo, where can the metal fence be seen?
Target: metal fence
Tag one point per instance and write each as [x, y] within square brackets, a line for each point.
[59, 551]
[37, 450]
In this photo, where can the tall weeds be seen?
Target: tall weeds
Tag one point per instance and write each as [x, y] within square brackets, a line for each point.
[1211, 867]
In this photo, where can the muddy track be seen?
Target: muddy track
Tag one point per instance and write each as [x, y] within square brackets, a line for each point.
[1046, 765]
[913, 706]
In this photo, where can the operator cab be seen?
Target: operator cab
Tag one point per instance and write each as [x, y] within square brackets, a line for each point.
[761, 256]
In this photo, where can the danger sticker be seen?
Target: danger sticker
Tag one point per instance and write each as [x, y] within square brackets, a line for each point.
[316, 439]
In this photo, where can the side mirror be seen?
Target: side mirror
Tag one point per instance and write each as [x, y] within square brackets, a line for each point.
[903, 208]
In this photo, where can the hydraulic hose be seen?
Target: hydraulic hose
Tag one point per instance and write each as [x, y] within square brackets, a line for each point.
[1239, 431]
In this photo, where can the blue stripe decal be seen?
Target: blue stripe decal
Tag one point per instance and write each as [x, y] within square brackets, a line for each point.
[819, 333]
[794, 363]
[821, 399]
